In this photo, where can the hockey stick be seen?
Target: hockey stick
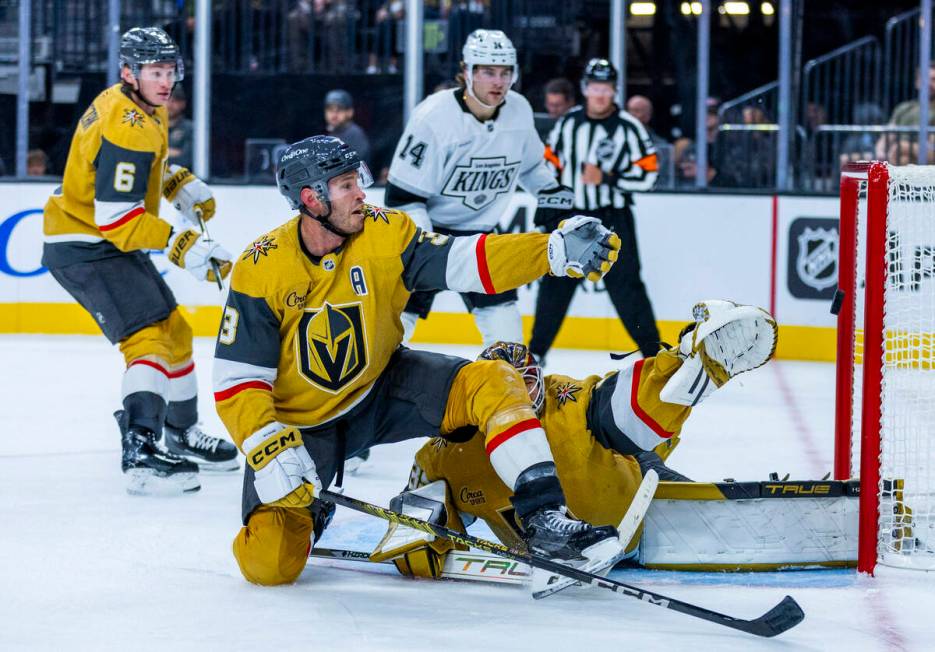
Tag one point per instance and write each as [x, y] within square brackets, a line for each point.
[207, 238]
[546, 585]
[783, 616]
[459, 565]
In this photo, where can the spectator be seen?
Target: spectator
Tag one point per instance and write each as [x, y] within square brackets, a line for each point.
[37, 163]
[181, 130]
[641, 108]
[559, 97]
[861, 145]
[339, 122]
[684, 153]
[815, 116]
[906, 114]
[328, 22]
[386, 19]
[299, 26]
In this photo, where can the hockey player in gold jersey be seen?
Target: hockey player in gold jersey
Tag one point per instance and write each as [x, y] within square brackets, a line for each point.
[98, 226]
[309, 369]
[603, 431]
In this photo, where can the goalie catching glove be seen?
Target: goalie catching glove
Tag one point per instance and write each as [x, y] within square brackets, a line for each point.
[726, 339]
[188, 194]
[190, 251]
[284, 473]
[581, 247]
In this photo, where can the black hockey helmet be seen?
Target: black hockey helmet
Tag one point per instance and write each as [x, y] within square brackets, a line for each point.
[142, 45]
[519, 357]
[599, 70]
[312, 163]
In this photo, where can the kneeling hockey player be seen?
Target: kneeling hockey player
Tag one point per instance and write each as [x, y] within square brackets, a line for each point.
[309, 371]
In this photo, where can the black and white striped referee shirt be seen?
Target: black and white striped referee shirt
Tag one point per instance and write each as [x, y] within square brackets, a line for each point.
[618, 144]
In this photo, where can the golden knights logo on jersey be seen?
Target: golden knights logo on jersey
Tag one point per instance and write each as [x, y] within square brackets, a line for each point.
[480, 181]
[332, 345]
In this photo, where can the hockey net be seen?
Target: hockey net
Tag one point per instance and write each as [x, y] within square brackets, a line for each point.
[885, 398]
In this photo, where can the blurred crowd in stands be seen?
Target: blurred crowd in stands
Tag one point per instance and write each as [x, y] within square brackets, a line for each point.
[353, 50]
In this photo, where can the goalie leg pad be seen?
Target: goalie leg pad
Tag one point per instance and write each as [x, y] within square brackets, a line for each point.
[416, 552]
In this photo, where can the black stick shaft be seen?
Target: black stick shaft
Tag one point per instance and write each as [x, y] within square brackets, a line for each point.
[783, 616]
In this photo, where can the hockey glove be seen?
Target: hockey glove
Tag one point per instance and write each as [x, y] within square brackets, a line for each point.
[188, 194]
[284, 473]
[190, 251]
[581, 247]
[554, 205]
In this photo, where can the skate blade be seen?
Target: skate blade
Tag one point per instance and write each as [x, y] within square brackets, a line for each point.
[146, 482]
[227, 466]
[600, 558]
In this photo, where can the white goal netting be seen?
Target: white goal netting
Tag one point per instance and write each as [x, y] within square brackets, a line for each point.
[906, 530]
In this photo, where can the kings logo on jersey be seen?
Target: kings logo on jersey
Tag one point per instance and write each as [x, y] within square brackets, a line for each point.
[332, 346]
[480, 181]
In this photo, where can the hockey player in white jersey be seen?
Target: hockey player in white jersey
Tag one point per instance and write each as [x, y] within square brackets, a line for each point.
[462, 154]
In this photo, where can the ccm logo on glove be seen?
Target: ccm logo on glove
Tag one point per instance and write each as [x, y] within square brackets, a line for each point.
[262, 454]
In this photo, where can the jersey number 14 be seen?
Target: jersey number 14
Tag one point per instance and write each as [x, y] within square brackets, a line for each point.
[416, 153]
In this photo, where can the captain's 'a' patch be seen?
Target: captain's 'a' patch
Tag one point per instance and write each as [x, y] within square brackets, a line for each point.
[332, 345]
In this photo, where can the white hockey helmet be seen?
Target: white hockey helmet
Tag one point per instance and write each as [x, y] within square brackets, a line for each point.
[487, 47]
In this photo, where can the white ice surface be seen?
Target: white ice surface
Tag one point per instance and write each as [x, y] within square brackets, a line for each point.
[84, 566]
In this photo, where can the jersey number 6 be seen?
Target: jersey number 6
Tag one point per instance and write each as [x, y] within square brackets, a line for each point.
[415, 152]
[124, 175]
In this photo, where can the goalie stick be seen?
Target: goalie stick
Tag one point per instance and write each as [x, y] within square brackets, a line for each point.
[544, 585]
[471, 565]
[785, 615]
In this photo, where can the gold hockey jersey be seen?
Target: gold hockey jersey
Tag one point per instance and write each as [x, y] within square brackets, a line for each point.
[593, 426]
[112, 185]
[303, 338]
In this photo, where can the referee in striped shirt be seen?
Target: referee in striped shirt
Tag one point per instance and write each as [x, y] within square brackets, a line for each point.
[603, 154]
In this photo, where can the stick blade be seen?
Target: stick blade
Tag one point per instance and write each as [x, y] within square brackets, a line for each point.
[784, 616]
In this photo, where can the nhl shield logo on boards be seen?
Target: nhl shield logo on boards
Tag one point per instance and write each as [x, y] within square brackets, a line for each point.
[481, 181]
[816, 262]
[812, 261]
[332, 345]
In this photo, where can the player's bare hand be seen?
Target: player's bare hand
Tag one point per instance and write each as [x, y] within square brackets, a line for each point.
[591, 174]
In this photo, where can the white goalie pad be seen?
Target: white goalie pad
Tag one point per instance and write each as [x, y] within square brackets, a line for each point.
[747, 526]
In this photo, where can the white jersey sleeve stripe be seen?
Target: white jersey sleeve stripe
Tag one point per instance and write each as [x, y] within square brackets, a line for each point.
[463, 273]
[632, 420]
[230, 374]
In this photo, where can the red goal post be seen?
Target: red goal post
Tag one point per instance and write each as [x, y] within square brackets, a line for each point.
[885, 366]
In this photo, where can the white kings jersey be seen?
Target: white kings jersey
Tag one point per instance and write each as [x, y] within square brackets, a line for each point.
[465, 169]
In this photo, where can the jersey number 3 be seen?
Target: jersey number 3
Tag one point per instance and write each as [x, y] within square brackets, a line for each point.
[415, 153]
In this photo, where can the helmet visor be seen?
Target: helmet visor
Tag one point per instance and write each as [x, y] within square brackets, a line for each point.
[160, 73]
[364, 176]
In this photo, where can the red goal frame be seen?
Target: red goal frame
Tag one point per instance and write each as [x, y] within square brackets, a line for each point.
[876, 175]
